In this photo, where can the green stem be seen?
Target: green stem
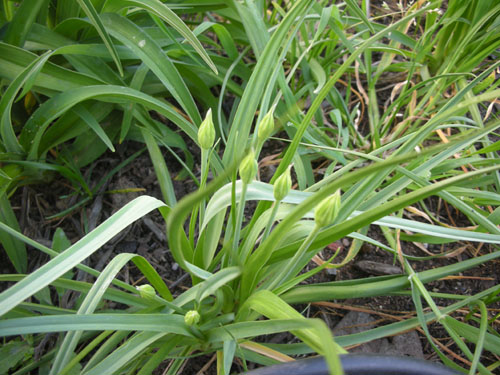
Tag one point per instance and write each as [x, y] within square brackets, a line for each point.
[482, 335]
[271, 220]
[85, 351]
[201, 207]
[285, 272]
[237, 229]
[203, 180]
[416, 282]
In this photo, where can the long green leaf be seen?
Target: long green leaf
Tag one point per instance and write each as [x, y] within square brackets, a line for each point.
[95, 295]
[81, 250]
[15, 249]
[263, 191]
[151, 54]
[23, 20]
[238, 136]
[164, 12]
[271, 306]
[34, 129]
[125, 353]
[379, 286]
[161, 170]
[7, 133]
[14, 60]
[92, 14]
[121, 322]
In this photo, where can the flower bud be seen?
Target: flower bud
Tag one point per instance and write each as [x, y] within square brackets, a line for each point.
[327, 210]
[146, 291]
[206, 132]
[266, 127]
[248, 168]
[192, 317]
[282, 185]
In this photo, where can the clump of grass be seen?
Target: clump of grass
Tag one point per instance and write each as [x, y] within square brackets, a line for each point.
[91, 72]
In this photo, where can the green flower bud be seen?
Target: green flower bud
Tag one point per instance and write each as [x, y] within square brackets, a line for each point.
[282, 185]
[206, 132]
[192, 317]
[266, 127]
[248, 168]
[146, 291]
[327, 210]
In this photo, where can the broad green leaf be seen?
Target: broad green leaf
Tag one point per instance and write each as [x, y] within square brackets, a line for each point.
[12, 353]
[273, 307]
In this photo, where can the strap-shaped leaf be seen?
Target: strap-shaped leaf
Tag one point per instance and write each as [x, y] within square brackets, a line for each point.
[147, 49]
[101, 322]
[25, 79]
[164, 12]
[95, 295]
[76, 253]
[92, 14]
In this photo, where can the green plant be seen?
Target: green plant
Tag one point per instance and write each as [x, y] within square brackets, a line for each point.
[245, 267]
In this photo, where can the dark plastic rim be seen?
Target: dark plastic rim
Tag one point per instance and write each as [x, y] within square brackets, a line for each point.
[359, 364]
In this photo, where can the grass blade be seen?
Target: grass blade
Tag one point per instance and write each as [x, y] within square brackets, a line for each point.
[76, 253]
[92, 14]
[15, 249]
[164, 12]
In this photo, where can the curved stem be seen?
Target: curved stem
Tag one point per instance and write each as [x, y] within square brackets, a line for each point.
[201, 207]
[203, 181]
[271, 220]
[285, 272]
[237, 229]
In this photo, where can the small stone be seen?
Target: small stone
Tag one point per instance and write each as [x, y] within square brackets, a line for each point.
[357, 322]
[377, 268]
[331, 271]
[407, 343]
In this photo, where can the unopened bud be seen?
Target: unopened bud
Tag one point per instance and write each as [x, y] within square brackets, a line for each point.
[206, 132]
[266, 127]
[146, 291]
[192, 317]
[248, 168]
[327, 210]
[282, 185]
